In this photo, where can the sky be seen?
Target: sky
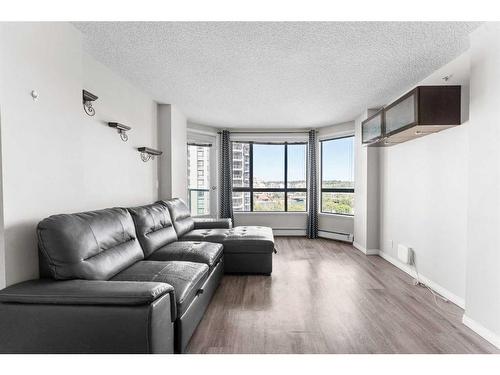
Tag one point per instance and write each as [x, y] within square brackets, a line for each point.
[337, 157]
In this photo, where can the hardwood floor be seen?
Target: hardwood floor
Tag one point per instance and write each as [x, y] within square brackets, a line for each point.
[327, 297]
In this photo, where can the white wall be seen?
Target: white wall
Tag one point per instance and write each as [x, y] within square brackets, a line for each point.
[366, 185]
[482, 307]
[55, 158]
[172, 139]
[423, 195]
[283, 223]
[119, 162]
[2, 234]
[164, 113]
[360, 175]
[178, 148]
[440, 194]
[202, 130]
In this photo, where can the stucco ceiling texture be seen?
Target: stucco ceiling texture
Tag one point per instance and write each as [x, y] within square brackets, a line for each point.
[274, 74]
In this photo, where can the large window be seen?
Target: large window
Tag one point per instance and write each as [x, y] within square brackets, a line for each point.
[198, 160]
[269, 176]
[337, 176]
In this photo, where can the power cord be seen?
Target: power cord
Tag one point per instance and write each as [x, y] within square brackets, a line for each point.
[436, 295]
[417, 282]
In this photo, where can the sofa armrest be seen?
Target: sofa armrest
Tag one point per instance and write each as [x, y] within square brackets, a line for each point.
[79, 316]
[209, 223]
[84, 292]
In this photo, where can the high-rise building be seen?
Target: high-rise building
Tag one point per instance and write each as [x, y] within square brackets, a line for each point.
[198, 179]
[241, 175]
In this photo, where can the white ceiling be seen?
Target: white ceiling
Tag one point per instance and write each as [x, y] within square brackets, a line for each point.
[274, 74]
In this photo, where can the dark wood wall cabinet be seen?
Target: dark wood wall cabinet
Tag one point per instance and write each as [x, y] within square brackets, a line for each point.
[424, 110]
[372, 128]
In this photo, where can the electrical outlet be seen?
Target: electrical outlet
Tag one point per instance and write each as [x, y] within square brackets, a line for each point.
[405, 254]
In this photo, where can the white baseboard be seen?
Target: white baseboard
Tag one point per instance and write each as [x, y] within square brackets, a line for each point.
[365, 250]
[482, 331]
[289, 232]
[472, 324]
[433, 285]
[334, 236]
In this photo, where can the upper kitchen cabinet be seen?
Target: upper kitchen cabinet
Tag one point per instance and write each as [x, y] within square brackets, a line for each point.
[373, 128]
[423, 110]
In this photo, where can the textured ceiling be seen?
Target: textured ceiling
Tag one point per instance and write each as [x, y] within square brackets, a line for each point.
[274, 74]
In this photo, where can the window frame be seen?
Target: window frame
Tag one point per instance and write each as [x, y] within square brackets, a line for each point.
[197, 189]
[250, 189]
[331, 190]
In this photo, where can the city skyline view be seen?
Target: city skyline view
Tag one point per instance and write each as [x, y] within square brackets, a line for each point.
[270, 169]
[269, 160]
[269, 172]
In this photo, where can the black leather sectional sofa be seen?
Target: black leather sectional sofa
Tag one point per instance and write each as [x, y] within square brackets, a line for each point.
[120, 280]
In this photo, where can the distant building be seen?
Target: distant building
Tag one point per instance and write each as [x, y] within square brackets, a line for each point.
[198, 178]
[241, 175]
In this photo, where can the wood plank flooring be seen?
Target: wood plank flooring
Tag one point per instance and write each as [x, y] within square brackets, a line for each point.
[327, 297]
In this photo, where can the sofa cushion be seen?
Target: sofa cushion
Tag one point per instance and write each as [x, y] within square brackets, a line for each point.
[181, 217]
[91, 245]
[210, 223]
[216, 235]
[153, 227]
[189, 251]
[243, 239]
[187, 278]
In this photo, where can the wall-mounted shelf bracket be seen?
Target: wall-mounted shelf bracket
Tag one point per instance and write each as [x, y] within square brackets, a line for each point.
[148, 153]
[122, 129]
[88, 98]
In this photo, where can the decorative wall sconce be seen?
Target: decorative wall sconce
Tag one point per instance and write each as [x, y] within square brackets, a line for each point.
[88, 98]
[148, 153]
[122, 130]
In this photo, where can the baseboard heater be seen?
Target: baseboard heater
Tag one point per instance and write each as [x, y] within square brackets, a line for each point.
[339, 236]
[289, 231]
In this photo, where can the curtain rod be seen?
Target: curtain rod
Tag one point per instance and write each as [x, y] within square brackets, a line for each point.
[268, 132]
[199, 144]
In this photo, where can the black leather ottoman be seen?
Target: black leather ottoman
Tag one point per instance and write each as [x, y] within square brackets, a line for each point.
[247, 249]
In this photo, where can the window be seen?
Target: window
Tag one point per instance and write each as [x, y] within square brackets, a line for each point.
[337, 176]
[198, 179]
[269, 177]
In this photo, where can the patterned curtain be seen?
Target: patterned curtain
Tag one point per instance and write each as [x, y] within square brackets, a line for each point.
[312, 199]
[226, 177]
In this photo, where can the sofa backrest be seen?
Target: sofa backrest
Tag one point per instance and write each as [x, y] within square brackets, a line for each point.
[93, 245]
[181, 217]
[153, 227]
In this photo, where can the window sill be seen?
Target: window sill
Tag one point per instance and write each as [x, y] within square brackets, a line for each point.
[270, 212]
[326, 214]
